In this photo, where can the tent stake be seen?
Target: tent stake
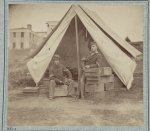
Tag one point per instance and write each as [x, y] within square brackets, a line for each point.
[78, 57]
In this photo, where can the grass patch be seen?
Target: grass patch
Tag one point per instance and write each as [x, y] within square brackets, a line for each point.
[17, 69]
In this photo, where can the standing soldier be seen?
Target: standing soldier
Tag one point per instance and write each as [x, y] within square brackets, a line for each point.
[56, 75]
[93, 60]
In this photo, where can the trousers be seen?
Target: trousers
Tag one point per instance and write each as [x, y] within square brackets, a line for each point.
[82, 85]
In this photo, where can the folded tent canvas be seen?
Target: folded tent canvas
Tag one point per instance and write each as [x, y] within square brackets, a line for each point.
[119, 54]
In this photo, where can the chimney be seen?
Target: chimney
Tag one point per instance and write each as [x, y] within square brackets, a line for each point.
[29, 26]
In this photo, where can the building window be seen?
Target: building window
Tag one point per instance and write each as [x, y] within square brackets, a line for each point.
[22, 34]
[14, 34]
[22, 46]
[14, 45]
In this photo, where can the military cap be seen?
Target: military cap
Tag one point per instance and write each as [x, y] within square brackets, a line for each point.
[93, 43]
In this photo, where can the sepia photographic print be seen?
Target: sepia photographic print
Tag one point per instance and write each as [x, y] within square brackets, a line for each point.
[75, 65]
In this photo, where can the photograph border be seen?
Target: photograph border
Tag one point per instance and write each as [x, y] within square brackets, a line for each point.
[3, 69]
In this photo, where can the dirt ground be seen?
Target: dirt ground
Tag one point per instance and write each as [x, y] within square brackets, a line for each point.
[113, 108]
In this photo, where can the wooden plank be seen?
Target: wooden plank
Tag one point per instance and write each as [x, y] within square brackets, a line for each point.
[92, 78]
[91, 75]
[42, 87]
[100, 87]
[92, 82]
[30, 89]
[106, 79]
[78, 57]
[102, 71]
[92, 70]
[106, 71]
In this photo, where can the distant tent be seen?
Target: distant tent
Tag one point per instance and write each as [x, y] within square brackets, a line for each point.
[118, 53]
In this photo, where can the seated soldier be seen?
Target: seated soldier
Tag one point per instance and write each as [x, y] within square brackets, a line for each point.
[56, 75]
[93, 60]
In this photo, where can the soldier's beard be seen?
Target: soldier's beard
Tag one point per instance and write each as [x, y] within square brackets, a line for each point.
[56, 63]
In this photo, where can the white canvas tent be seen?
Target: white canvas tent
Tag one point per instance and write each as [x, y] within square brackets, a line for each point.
[119, 54]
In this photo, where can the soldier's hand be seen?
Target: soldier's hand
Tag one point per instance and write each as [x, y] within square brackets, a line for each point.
[87, 66]
[83, 59]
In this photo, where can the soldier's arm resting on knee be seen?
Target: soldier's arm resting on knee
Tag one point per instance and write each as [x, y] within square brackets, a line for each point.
[68, 72]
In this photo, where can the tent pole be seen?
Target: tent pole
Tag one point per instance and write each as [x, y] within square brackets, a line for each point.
[78, 54]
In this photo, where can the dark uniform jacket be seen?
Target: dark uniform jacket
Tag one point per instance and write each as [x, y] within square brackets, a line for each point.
[94, 60]
[57, 71]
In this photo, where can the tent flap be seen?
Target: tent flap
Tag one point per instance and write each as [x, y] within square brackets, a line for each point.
[38, 65]
[120, 62]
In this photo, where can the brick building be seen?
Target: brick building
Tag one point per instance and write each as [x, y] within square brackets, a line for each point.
[23, 38]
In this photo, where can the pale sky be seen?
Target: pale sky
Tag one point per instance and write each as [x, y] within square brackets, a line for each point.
[125, 20]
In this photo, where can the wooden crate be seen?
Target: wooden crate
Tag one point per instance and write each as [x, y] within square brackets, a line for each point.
[43, 90]
[102, 71]
[90, 87]
[109, 86]
[106, 71]
[92, 82]
[106, 79]
[61, 90]
[100, 87]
